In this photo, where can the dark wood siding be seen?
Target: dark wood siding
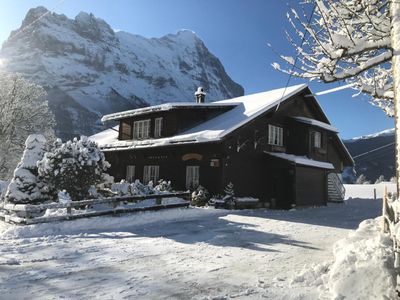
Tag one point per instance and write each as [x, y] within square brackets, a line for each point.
[172, 161]
[310, 186]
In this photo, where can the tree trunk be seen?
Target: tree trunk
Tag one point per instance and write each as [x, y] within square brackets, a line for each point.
[395, 36]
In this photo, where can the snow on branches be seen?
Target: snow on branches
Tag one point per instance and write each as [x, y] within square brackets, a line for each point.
[26, 185]
[344, 40]
[23, 111]
[73, 166]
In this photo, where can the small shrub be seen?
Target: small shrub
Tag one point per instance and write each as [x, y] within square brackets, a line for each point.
[200, 196]
[163, 186]
[229, 190]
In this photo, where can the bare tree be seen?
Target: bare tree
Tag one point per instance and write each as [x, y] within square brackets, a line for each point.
[357, 41]
[345, 40]
[23, 110]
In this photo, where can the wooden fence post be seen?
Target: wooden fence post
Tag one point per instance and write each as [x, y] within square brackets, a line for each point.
[384, 213]
[69, 210]
[374, 193]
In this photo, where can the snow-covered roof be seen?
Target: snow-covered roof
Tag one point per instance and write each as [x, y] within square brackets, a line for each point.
[162, 107]
[302, 160]
[316, 123]
[246, 108]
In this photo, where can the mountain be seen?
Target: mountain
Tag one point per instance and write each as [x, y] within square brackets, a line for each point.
[379, 158]
[89, 70]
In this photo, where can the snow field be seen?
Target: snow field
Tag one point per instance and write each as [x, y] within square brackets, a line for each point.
[190, 253]
[366, 191]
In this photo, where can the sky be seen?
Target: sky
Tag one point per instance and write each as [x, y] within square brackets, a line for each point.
[236, 31]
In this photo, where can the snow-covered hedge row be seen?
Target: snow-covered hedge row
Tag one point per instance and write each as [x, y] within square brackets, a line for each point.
[136, 188]
[363, 267]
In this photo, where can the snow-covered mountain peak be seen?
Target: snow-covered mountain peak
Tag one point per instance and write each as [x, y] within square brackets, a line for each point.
[90, 70]
[386, 132]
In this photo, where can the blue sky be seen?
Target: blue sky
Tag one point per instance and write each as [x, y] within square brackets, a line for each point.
[236, 31]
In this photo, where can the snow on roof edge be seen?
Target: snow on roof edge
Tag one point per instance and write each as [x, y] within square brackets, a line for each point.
[296, 89]
[316, 123]
[214, 129]
[160, 107]
[302, 160]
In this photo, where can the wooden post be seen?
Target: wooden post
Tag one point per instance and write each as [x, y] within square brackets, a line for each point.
[384, 213]
[374, 193]
[69, 209]
[158, 201]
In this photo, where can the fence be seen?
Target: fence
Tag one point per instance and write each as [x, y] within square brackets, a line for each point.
[390, 223]
[25, 214]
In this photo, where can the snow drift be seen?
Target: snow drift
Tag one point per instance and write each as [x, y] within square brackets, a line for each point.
[362, 267]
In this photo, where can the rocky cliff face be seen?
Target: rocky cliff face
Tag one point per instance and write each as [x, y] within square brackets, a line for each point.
[90, 70]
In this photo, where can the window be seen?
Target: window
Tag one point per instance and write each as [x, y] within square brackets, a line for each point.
[126, 130]
[141, 129]
[151, 173]
[130, 173]
[192, 177]
[275, 135]
[317, 140]
[158, 127]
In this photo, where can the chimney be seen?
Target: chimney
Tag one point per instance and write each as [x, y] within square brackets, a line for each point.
[200, 95]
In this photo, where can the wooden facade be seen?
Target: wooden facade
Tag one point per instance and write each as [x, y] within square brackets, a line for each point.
[243, 156]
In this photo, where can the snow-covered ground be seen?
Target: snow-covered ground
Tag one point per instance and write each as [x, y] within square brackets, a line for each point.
[177, 254]
[366, 191]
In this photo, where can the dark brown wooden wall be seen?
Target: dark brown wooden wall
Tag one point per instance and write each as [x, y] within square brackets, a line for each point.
[310, 186]
[172, 167]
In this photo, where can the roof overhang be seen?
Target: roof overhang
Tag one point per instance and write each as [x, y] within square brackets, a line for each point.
[162, 108]
[302, 160]
[316, 123]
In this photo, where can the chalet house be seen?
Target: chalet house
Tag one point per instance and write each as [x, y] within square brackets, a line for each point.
[279, 148]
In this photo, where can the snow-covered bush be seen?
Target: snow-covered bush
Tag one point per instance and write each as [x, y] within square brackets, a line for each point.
[64, 197]
[380, 179]
[27, 186]
[73, 166]
[200, 196]
[393, 179]
[124, 188]
[163, 186]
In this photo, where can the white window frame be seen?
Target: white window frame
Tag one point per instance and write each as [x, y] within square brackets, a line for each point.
[192, 177]
[158, 124]
[275, 135]
[151, 173]
[141, 129]
[317, 139]
[130, 173]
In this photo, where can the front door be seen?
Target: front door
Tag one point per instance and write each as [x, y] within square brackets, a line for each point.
[192, 177]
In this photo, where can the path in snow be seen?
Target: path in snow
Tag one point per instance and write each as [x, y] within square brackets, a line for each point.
[193, 253]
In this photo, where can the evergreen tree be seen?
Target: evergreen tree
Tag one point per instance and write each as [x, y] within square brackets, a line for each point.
[229, 190]
[27, 186]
